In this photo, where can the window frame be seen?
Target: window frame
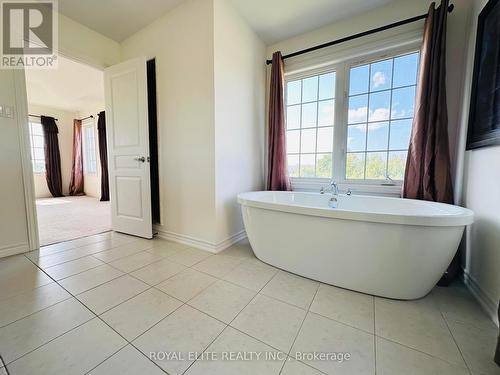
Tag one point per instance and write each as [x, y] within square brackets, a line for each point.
[339, 155]
[35, 120]
[86, 124]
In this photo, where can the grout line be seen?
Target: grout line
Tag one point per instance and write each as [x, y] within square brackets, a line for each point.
[456, 343]
[229, 324]
[300, 328]
[95, 316]
[35, 312]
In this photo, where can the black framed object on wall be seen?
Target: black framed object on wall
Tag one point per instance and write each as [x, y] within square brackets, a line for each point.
[484, 115]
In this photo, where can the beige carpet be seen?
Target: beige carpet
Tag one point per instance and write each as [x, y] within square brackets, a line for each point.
[66, 218]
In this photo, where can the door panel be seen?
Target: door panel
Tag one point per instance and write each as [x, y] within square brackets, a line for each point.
[128, 147]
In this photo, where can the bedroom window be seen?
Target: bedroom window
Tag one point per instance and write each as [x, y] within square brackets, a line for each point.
[359, 136]
[89, 156]
[37, 146]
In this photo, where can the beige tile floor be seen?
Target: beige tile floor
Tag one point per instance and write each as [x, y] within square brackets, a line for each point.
[115, 304]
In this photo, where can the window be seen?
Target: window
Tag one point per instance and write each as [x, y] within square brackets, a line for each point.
[89, 157]
[361, 137]
[310, 107]
[37, 146]
[381, 101]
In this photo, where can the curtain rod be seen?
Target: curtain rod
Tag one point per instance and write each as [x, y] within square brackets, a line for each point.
[81, 119]
[359, 35]
[41, 116]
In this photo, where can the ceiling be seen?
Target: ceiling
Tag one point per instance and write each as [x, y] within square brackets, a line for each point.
[276, 20]
[116, 19]
[71, 87]
[273, 20]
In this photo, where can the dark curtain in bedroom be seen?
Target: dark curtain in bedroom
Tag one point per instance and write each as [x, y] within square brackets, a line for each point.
[103, 156]
[52, 156]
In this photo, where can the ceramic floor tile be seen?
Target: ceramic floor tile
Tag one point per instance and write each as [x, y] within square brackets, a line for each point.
[222, 300]
[186, 284]
[73, 267]
[158, 271]
[27, 303]
[122, 251]
[29, 333]
[251, 275]
[240, 250]
[477, 347]
[128, 361]
[345, 306]
[138, 314]
[319, 334]
[166, 248]
[90, 279]
[22, 282]
[292, 289]
[189, 256]
[458, 305]
[217, 265]
[395, 359]
[76, 352]
[233, 341]
[418, 325]
[134, 262]
[274, 322]
[112, 293]
[293, 367]
[185, 330]
[58, 258]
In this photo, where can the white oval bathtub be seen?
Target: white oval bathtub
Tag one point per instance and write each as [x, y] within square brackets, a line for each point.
[389, 247]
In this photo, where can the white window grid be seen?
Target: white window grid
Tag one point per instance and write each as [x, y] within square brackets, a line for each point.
[37, 146]
[317, 127]
[89, 145]
[340, 129]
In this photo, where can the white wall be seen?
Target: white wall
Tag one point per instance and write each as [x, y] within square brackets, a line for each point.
[480, 193]
[182, 43]
[239, 115]
[395, 11]
[13, 223]
[85, 45]
[210, 86]
[65, 138]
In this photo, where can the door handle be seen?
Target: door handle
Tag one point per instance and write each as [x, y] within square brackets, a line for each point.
[142, 159]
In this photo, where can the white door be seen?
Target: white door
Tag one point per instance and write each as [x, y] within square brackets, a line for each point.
[128, 147]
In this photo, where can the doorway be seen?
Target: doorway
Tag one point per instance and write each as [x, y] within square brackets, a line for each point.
[70, 96]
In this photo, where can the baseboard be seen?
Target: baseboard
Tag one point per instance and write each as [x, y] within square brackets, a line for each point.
[199, 243]
[489, 306]
[14, 249]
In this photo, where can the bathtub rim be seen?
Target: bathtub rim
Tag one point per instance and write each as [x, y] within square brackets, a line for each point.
[465, 217]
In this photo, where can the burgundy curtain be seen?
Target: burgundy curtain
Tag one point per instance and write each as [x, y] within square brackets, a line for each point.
[103, 156]
[428, 166]
[76, 182]
[277, 174]
[52, 156]
[497, 352]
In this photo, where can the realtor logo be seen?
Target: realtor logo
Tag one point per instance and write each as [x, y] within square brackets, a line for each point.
[29, 34]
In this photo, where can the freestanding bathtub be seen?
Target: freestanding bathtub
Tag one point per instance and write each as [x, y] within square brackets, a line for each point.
[389, 247]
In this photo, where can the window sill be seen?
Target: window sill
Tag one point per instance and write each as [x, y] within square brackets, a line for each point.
[367, 188]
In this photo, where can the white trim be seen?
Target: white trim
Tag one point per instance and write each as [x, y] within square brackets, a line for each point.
[353, 51]
[489, 306]
[26, 165]
[14, 249]
[199, 243]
